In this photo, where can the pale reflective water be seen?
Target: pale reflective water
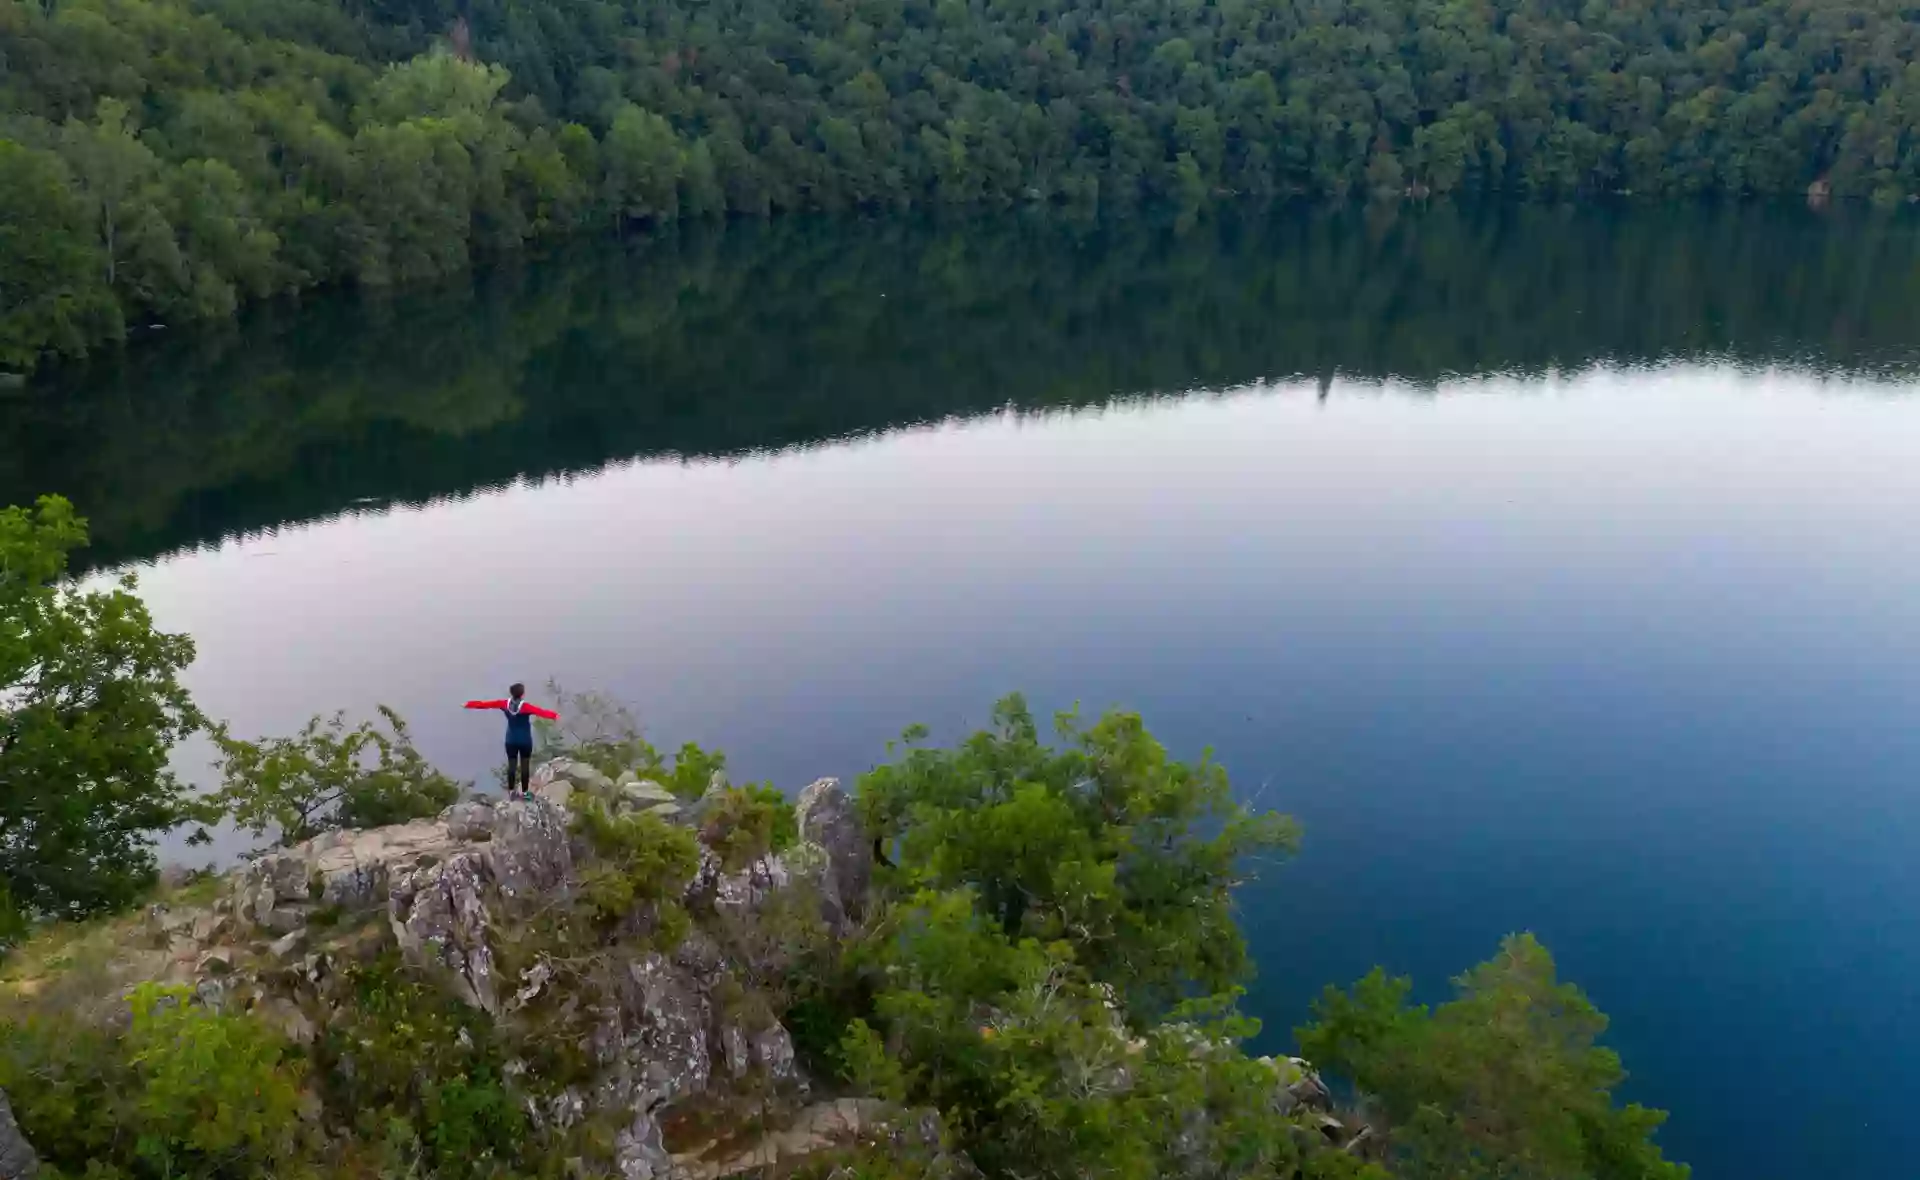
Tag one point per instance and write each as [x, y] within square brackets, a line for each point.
[1558, 570]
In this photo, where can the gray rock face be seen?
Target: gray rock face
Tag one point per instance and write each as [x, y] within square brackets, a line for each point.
[638, 1153]
[767, 1052]
[745, 891]
[828, 820]
[770, 1051]
[436, 878]
[438, 913]
[450, 886]
[18, 1160]
[469, 821]
[736, 897]
[530, 851]
[665, 1055]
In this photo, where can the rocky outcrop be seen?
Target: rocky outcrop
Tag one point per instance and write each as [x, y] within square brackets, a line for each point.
[438, 879]
[681, 1049]
[835, 846]
[450, 887]
[17, 1157]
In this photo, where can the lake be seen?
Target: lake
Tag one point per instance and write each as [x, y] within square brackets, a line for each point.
[1559, 569]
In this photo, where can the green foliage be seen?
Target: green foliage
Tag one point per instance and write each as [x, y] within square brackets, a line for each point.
[364, 152]
[745, 823]
[1108, 845]
[182, 1091]
[1503, 1080]
[329, 776]
[53, 293]
[1035, 1067]
[422, 1074]
[642, 867]
[90, 704]
[691, 773]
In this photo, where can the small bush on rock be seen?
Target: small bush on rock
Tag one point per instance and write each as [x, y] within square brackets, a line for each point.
[329, 775]
[642, 866]
[743, 824]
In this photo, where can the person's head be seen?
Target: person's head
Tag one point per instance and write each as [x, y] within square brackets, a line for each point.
[517, 691]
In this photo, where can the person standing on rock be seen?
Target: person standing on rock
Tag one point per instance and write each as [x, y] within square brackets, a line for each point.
[520, 717]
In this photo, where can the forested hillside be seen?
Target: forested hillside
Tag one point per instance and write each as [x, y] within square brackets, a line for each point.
[163, 159]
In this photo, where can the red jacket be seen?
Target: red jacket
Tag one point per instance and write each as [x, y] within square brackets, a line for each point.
[519, 720]
[530, 710]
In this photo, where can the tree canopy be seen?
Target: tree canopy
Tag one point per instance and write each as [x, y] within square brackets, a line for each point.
[90, 704]
[1109, 845]
[1503, 1080]
[170, 158]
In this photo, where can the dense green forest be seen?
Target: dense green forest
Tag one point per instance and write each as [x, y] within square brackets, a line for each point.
[163, 159]
[715, 342]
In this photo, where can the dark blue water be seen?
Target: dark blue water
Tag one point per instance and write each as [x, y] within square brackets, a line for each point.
[1610, 638]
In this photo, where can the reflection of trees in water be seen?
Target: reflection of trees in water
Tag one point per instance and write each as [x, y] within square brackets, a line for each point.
[810, 329]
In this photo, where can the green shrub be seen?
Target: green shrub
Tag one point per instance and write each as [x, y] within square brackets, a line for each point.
[329, 776]
[692, 770]
[745, 823]
[183, 1091]
[640, 862]
[412, 1067]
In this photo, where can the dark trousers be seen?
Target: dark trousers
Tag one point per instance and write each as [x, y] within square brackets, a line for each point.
[522, 757]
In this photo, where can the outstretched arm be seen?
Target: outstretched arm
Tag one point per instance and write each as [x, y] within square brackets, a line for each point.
[537, 711]
[486, 704]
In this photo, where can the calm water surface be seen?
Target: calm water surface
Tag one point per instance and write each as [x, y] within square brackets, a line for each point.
[1559, 571]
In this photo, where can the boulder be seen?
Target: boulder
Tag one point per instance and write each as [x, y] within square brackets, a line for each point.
[285, 919]
[436, 878]
[530, 852]
[470, 821]
[586, 778]
[646, 795]
[646, 791]
[828, 821]
[18, 1160]
[558, 792]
